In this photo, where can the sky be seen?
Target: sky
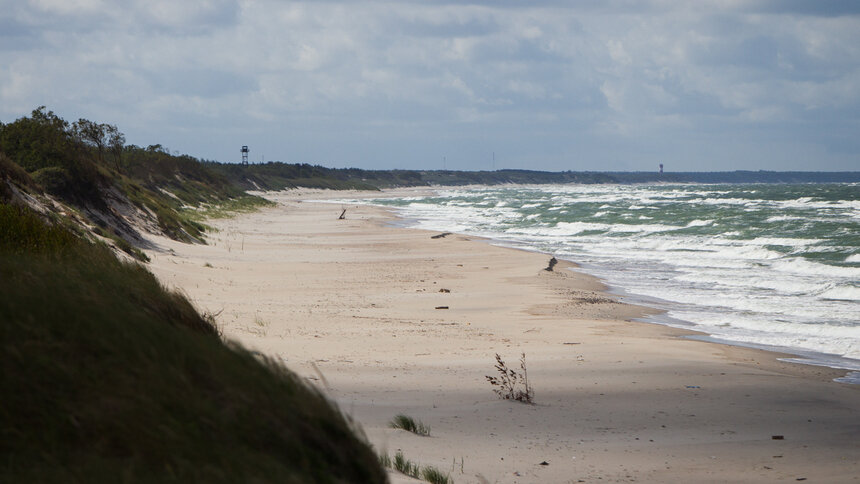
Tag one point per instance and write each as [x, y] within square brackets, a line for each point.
[592, 85]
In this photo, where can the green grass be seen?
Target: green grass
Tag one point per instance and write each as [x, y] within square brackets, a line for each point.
[109, 377]
[230, 208]
[409, 424]
[435, 476]
[405, 466]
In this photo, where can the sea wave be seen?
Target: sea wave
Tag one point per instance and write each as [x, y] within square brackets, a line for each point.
[747, 263]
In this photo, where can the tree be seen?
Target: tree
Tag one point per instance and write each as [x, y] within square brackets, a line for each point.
[103, 137]
[39, 141]
[92, 134]
[116, 143]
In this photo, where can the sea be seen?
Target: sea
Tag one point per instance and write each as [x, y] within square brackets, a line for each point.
[773, 266]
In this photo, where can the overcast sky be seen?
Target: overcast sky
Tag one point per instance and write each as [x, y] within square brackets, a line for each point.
[550, 85]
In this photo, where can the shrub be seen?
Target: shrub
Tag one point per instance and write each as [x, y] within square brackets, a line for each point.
[510, 384]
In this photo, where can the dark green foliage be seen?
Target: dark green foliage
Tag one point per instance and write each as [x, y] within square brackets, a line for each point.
[184, 176]
[22, 233]
[45, 144]
[80, 162]
[107, 377]
[55, 180]
[280, 176]
[39, 141]
[12, 173]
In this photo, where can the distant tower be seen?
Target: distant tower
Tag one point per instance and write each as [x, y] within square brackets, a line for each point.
[661, 167]
[245, 156]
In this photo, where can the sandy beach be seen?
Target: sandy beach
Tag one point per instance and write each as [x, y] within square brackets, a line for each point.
[388, 320]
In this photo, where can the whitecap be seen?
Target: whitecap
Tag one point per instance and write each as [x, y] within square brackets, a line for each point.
[699, 223]
[841, 293]
[802, 266]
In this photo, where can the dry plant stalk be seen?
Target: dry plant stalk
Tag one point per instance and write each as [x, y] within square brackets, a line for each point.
[510, 384]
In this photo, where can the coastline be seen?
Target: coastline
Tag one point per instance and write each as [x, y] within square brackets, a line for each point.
[351, 305]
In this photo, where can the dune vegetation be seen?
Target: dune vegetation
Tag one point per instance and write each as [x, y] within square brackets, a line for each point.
[106, 375]
[109, 377]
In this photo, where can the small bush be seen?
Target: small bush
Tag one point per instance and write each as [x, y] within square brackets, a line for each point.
[407, 423]
[511, 385]
[55, 180]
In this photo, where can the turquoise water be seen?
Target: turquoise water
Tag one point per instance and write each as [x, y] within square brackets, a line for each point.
[774, 265]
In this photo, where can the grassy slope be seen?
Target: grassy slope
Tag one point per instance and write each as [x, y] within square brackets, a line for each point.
[57, 160]
[107, 377]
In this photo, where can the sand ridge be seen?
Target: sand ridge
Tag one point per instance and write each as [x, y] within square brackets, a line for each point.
[352, 306]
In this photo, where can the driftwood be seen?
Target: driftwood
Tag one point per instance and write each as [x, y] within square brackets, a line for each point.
[440, 236]
[342, 215]
[552, 263]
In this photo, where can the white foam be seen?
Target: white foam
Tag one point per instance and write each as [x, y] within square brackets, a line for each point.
[782, 218]
[786, 241]
[841, 293]
[799, 265]
[754, 294]
[699, 223]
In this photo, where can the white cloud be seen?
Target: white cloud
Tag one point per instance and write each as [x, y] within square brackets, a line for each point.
[617, 74]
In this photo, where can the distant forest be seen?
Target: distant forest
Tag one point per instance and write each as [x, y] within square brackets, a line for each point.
[278, 175]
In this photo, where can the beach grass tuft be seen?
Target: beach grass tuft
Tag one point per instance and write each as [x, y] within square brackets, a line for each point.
[511, 384]
[435, 476]
[405, 466]
[408, 423]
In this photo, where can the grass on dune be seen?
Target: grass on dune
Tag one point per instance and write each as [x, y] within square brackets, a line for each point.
[108, 377]
[229, 208]
[405, 466]
[409, 424]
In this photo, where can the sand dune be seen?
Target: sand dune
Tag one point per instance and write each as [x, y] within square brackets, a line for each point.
[357, 306]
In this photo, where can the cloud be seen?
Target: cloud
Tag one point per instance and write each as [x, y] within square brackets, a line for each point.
[556, 85]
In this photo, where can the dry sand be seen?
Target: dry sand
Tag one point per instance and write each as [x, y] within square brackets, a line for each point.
[352, 305]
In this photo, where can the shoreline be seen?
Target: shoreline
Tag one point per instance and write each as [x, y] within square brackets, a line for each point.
[351, 305]
[849, 372]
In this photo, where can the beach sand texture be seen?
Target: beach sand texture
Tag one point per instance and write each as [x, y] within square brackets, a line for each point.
[356, 306]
